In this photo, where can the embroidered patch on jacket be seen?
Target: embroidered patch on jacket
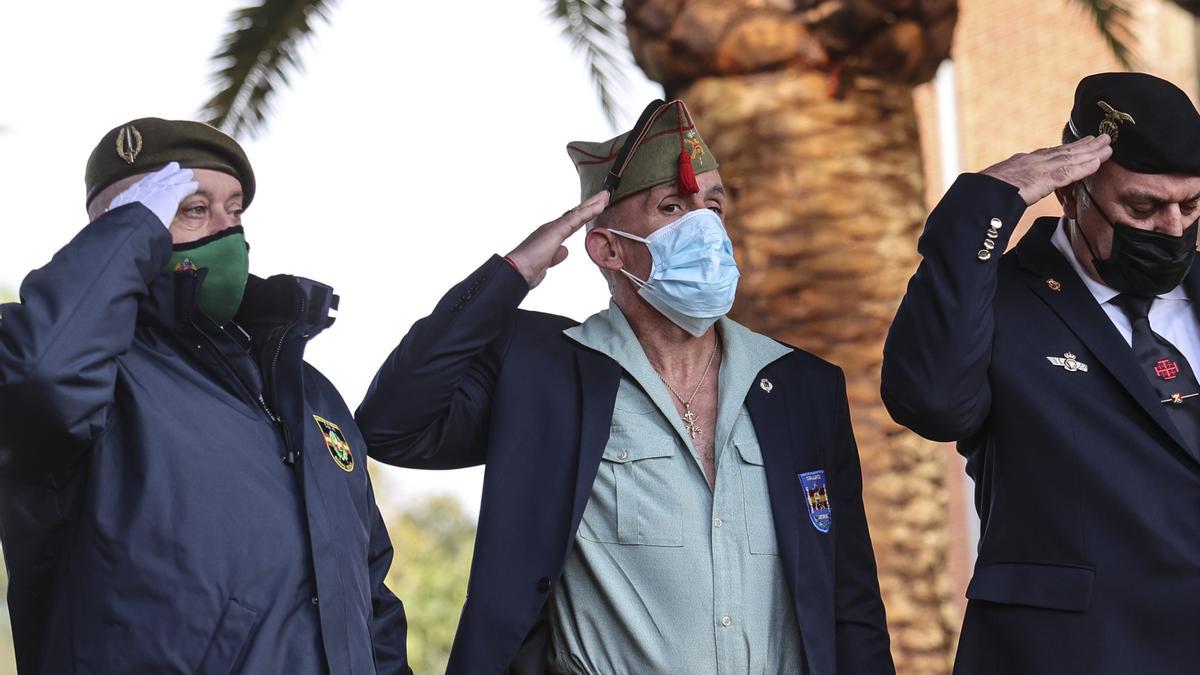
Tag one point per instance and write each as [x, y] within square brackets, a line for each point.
[335, 441]
[819, 513]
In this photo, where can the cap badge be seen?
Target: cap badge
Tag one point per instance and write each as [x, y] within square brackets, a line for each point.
[129, 143]
[694, 144]
[1112, 117]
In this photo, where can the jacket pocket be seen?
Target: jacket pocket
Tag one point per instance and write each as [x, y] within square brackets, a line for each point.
[633, 499]
[228, 644]
[1063, 587]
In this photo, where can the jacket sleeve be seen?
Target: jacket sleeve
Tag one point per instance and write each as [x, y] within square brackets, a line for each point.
[937, 353]
[863, 645]
[429, 405]
[389, 625]
[59, 345]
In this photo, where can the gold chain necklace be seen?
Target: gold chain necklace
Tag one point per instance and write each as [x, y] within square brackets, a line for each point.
[689, 417]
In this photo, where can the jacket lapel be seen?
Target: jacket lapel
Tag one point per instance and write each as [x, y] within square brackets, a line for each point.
[599, 378]
[778, 415]
[1076, 306]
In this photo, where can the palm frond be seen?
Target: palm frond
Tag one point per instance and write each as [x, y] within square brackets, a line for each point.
[596, 28]
[256, 57]
[1112, 19]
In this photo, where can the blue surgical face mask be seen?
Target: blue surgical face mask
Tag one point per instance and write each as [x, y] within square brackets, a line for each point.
[693, 276]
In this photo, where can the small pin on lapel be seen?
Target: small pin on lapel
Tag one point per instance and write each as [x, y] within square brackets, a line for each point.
[1068, 363]
[1053, 284]
[766, 385]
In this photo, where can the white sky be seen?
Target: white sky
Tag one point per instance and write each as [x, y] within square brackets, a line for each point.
[421, 138]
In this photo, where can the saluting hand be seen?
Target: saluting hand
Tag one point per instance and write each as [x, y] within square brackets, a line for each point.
[1038, 173]
[161, 192]
[544, 248]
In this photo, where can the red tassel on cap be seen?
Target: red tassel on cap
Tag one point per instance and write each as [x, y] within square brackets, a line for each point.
[687, 177]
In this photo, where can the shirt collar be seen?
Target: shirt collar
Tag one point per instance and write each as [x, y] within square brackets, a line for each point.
[1102, 292]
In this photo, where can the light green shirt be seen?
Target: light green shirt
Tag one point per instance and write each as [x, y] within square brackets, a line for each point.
[668, 575]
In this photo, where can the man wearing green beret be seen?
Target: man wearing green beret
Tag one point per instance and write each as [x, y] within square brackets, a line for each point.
[1063, 370]
[665, 490]
[179, 491]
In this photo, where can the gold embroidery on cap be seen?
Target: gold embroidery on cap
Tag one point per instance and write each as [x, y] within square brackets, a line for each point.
[129, 143]
[1112, 117]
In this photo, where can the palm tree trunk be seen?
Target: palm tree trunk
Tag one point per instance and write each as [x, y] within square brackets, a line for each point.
[826, 205]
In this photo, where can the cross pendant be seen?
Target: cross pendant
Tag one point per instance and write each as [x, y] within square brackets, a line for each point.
[689, 421]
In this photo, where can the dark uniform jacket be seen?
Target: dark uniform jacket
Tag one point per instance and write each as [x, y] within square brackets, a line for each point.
[479, 381]
[1088, 498]
[148, 521]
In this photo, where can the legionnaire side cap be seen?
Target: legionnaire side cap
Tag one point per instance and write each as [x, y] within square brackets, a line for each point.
[148, 144]
[1153, 125]
[670, 148]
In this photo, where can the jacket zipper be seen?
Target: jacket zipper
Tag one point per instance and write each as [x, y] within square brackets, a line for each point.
[292, 452]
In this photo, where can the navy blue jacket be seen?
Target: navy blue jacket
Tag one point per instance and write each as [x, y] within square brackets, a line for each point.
[1088, 498]
[479, 381]
[148, 521]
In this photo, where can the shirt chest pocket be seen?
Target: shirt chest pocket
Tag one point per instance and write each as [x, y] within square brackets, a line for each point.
[760, 526]
[633, 499]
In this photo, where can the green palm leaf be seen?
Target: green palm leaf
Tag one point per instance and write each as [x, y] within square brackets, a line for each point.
[256, 57]
[1112, 20]
[596, 28]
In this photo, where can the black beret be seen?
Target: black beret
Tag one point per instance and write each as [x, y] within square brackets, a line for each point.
[1153, 125]
[150, 143]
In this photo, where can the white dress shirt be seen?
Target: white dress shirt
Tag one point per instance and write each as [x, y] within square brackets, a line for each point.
[1171, 313]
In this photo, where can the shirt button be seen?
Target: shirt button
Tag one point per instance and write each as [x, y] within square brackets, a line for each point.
[726, 621]
[623, 455]
[316, 600]
[996, 223]
[718, 522]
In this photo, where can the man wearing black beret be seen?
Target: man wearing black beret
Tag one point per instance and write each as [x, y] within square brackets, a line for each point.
[1064, 370]
[179, 491]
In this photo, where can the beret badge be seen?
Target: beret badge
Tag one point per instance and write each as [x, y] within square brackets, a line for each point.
[1113, 118]
[129, 143]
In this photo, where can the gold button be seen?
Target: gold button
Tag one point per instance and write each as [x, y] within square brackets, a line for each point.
[984, 254]
[989, 244]
[996, 223]
[623, 455]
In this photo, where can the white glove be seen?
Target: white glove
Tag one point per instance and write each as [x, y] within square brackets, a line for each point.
[161, 192]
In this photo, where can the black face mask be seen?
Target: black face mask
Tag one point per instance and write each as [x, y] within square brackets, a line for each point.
[1142, 262]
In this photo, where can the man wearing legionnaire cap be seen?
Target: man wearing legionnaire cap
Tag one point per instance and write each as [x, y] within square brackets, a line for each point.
[665, 490]
[1064, 369]
[179, 491]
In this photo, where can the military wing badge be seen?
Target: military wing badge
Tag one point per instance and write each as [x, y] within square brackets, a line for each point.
[336, 443]
[817, 498]
[1068, 363]
[1113, 118]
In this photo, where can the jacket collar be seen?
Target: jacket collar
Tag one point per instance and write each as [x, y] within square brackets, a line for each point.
[268, 304]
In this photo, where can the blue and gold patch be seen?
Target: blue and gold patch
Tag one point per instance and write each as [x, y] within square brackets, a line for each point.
[335, 441]
[819, 513]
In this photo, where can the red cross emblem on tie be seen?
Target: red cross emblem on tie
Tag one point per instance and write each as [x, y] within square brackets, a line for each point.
[1166, 369]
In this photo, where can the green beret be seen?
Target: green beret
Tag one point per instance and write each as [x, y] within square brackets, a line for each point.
[667, 148]
[1153, 125]
[148, 144]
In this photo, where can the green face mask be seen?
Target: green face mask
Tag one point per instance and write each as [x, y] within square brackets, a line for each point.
[227, 259]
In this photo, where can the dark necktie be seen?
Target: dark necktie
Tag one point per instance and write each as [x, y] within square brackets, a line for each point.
[1166, 367]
